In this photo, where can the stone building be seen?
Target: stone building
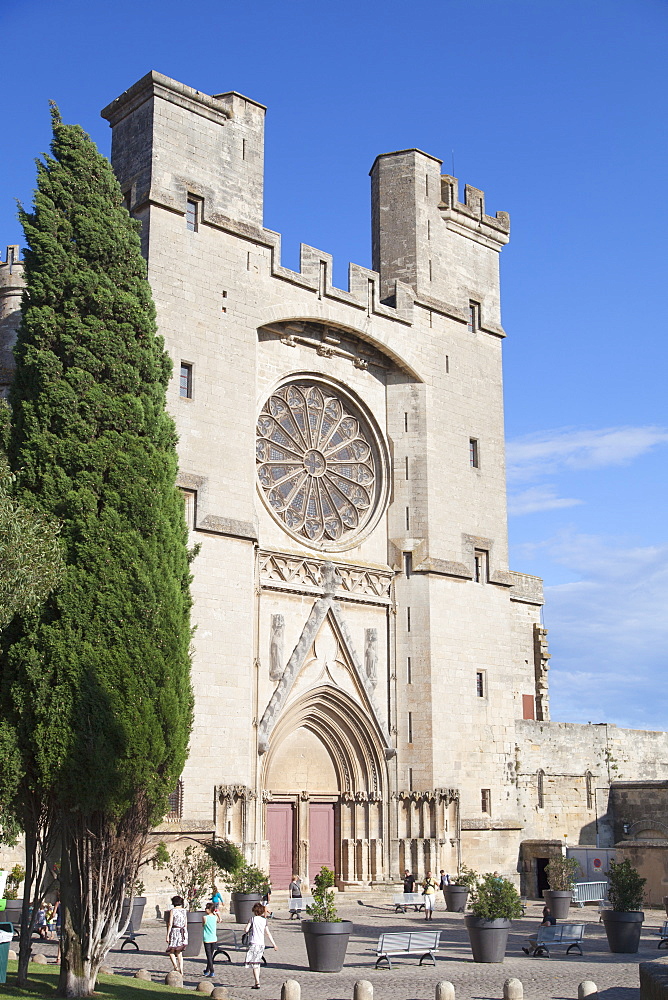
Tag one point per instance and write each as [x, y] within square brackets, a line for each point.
[370, 675]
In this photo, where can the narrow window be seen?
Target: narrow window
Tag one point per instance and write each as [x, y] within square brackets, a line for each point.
[408, 564]
[127, 199]
[474, 453]
[410, 779]
[408, 619]
[480, 683]
[540, 789]
[528, 706]
[430, 272]
[189, 504]
[428, 229]
[186, 380]
[426, 184]
[589, 784]
[474, 317]
[406, 466]
[175, 802]
[405, 421]
[410, 727]
[192, 215]
[409, 671]
[480, 562]
[408, 519]
[243, 149]
[447, 364]
[486, 800]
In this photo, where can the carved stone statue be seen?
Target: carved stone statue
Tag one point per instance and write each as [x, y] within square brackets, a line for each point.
[276, 647]
[371, 654]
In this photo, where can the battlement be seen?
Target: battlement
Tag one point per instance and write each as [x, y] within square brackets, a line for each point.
[470, 214]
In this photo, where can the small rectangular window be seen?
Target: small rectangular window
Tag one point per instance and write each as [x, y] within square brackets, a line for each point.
[405, 421]
[192, 215]
[410, 727]
[474, 317]
[528, 706]
[474, 453]
[486, 800]
[480, 566]
[480, 683]
[408, 564]
[408, 619]
[408, 519]
[186, 380]
[189, 503]
[409, 671]
[406, 466]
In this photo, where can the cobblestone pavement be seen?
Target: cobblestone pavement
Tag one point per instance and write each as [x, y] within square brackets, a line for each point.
[557, 978]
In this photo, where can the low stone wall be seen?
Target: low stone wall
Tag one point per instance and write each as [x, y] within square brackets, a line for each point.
[653, 981]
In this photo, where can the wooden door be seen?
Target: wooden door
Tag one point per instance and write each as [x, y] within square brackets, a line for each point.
[280, 824]
[321, 837]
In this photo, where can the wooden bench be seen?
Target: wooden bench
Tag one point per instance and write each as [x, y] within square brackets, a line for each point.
[567, 934]
[663, 934]
[423, 943]
[404, 899]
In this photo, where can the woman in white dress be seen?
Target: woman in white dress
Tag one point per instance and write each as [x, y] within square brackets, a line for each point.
[177, 933]
[257, 928]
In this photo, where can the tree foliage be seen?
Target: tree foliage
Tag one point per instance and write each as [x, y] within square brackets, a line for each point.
[96, 682]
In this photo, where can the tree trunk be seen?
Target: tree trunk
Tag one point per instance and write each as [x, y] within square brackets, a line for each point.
[100, 857]
[39, 839]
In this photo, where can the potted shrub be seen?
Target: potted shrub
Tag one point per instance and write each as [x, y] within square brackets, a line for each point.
[562, 873]
[247, 886]
[623, 923]
[326, 936]
[495, 902]
[134, 894]
[457, 893]
[14, 905]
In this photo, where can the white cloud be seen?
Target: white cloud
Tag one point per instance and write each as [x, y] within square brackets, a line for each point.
[547, 452]
[537, 498]
[609, 632]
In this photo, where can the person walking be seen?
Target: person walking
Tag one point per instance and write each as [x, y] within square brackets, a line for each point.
[177, 933]
[429, 896]
[256, 928]
[210, 920]
[443, 885]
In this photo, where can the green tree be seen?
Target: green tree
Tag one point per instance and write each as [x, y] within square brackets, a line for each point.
[96, 684]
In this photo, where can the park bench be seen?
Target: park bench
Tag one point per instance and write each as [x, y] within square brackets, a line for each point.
[566, 934]
[404, 899]
[298, 904]
[423, 943]
[229, 940]
[663, 934]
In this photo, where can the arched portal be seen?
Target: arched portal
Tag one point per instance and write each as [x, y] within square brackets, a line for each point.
[326, 790]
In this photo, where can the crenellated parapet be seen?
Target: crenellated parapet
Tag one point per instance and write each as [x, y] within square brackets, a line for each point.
[470, 214]
[11, 290]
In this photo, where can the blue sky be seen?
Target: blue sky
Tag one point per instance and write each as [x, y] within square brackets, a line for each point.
[555, 108]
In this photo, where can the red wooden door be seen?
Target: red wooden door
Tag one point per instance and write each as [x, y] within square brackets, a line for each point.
[279, 834]
[321, 837]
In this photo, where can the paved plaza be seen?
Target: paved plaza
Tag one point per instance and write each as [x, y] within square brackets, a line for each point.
[556, 978]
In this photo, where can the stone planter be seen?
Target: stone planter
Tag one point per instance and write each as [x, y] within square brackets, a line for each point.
[13, 908]
[455, 898]
[195, 929]
[623, 930]
[326, 944]
[243, 903]
[559, 902]
[488, 938]
[138, 904]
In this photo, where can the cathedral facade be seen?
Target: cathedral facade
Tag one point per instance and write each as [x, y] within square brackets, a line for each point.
[370, 675]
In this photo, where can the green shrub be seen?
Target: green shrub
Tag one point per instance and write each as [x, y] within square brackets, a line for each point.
[562, 873]
[494, 898]
[627, 889]
[247, 879]
[466, 877]
[323, 908]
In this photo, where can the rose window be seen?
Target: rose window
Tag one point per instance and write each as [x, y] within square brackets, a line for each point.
[315, 462]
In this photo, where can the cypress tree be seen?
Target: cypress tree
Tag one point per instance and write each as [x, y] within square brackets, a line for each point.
[96, 684]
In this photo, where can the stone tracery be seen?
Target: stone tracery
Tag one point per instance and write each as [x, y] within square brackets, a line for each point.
[316, 463]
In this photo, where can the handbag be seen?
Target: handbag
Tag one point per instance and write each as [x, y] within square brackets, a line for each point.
[245, 939]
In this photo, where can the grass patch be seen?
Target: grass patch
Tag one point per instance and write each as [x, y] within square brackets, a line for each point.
[43, 982]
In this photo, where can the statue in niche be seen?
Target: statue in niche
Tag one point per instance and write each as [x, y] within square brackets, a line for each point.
[276, 647]
[371, 654]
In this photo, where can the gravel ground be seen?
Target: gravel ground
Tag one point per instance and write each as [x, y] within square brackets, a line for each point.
[557, 978]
